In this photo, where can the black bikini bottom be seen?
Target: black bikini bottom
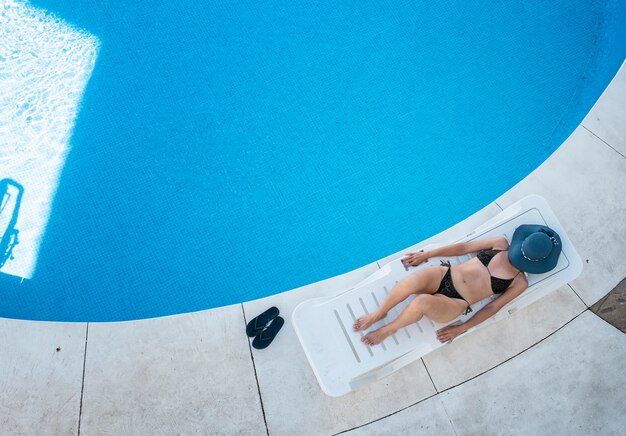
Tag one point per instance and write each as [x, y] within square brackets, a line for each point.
[446, 287]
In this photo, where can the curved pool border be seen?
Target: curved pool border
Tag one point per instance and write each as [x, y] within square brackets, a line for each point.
[551, 367]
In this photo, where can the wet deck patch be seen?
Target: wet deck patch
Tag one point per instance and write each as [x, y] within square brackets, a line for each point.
[612, 307]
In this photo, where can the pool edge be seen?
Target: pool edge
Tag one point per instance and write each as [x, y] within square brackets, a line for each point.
[196, 371]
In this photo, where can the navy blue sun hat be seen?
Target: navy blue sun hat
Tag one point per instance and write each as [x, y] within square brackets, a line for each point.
[534, 248]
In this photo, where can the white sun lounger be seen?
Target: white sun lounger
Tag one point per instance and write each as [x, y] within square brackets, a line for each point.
[342, 363]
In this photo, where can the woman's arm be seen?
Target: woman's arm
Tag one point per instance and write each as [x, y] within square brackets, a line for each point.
[519, 285]
[459, 249]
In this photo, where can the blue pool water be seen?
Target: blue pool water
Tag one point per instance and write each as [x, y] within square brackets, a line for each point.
[226, 151]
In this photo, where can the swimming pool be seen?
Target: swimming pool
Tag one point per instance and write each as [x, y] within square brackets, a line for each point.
[227, 152]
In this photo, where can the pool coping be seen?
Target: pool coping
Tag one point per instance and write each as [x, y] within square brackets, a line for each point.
[197, 372]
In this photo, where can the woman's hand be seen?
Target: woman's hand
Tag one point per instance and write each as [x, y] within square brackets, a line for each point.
[447, 334]
[414, 259]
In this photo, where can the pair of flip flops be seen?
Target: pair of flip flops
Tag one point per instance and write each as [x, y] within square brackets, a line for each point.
[263, 333]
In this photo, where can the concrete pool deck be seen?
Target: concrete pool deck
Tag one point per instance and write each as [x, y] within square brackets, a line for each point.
[553, 367]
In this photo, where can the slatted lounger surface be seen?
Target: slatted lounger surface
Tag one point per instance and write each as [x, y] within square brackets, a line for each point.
[342, 363]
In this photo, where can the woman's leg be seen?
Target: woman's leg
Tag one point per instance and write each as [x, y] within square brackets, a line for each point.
[438, 307]
[423, 281]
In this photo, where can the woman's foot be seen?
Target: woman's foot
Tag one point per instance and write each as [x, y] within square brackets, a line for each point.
[377, 336]
[364, 322]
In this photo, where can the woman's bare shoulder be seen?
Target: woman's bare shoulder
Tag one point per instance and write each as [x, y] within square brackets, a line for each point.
[497, 243]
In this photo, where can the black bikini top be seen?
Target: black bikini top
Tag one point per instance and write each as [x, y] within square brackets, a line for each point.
[498, 285]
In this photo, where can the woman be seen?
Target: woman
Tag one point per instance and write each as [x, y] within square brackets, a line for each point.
[444, 292]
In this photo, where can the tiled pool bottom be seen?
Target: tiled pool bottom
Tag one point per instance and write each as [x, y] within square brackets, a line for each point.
[196, 373]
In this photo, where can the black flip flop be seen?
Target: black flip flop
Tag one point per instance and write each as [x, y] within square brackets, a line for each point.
[257, 324]
[265, 338]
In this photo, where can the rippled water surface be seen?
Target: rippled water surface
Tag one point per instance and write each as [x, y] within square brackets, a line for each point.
[225, 151]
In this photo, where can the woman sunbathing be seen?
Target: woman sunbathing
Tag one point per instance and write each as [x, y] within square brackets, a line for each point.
[444, 292]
